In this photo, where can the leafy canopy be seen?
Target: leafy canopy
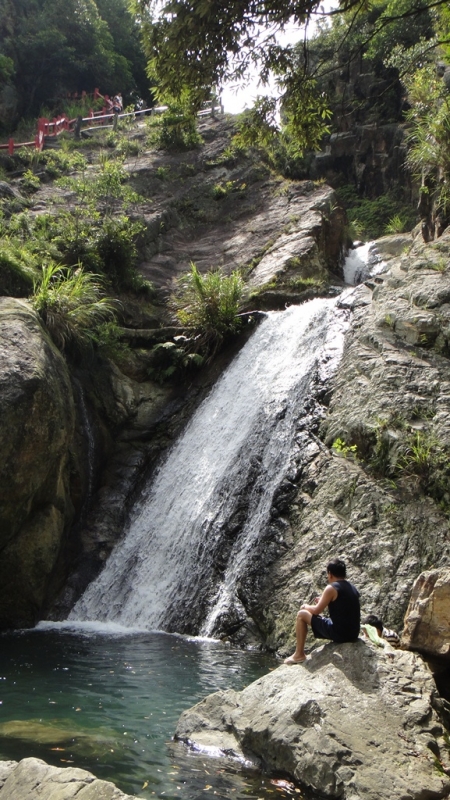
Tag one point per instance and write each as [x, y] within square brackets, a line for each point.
[51, 47]
[193, 45]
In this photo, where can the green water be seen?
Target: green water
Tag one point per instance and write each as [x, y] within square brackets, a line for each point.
[109, 703]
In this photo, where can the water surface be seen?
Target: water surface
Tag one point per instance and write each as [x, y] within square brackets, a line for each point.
[109, 703]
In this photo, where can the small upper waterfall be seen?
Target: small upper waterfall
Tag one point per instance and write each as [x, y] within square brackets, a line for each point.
[192, 532]
[363, 261]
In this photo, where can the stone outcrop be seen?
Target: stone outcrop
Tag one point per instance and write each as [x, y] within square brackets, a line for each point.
[37, 420]
[385, 510]
[231, 212]
[352, 722]
[427, 619]
[32, 778]
[370, 157]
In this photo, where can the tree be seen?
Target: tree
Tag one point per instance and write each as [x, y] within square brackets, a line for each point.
[58, 46]
[197, 44]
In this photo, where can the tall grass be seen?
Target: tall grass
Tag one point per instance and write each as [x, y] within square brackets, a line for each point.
[18, 270]
[207, 305]
[71, 305]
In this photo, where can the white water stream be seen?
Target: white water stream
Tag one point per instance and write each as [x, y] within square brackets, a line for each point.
[212, 496]
[362, 262]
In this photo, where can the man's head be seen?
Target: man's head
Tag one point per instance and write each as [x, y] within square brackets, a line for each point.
[337, 568]
[375, 622]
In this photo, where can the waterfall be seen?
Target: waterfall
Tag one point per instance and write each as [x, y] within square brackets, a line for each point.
[362, 262]
[191, 533]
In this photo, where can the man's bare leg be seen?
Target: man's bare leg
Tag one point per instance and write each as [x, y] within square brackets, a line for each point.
[301, 630]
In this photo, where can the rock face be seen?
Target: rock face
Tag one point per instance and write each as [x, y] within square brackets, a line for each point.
[32, 778]
[351, 722]
[370, 156]
[36, 431]
[385, 511]
[231, 212]
[427, 620]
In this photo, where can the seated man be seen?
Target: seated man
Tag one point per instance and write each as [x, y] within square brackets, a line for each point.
[342, 600]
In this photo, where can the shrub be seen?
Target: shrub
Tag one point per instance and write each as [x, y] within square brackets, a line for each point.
[370, 219]
[116, 249]
[175, 130]
[207, 305]
[169, 361]
[396, 224]
[18, 269]
[71, 305]
[30, 182]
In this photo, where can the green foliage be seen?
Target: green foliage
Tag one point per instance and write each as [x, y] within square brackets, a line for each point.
[373, 218]
[284, 144]
[52, 47]
[6, 68]
[396, 224]
[400, 451]
[62, 161]
[175, 129]
[106, 190]
[18, 268]
[207, 306]
[107, 338]
[115, 244]
[30, 182]
[302, 284]
[221, 190]
[346, 450]
[162, 173]
[258, 126]
[96, 234]
[100, 244]
[363, 37]
[72, 306]
[429, 135]
[171, 362]
[421, 454]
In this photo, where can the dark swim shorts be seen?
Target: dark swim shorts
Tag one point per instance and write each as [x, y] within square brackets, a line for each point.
[322, 628]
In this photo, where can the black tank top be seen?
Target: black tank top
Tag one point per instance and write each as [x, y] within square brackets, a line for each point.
[345, 612]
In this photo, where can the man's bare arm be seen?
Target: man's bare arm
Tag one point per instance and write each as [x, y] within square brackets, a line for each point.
[328, 595]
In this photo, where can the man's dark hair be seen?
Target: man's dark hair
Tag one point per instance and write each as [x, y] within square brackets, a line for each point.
[375, 621]
[337, 568]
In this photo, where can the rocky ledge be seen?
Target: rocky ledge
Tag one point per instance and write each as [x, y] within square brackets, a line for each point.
[351, 722]
[32, 778]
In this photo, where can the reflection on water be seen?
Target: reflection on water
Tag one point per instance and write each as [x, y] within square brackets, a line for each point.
[110, 703]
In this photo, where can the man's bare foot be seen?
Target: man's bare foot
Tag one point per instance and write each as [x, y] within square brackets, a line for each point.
[292, 660]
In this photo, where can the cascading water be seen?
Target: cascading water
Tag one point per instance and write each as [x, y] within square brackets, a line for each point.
[191, 535]
[363, 261]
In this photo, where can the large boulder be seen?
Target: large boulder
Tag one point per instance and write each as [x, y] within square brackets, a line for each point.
[351, 722]
[32, 778]
[427, 620]
[36, 430]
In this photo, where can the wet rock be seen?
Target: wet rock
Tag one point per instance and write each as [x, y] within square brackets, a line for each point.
[427, 619]
[37, 420]
[32, 778]
[349, 722]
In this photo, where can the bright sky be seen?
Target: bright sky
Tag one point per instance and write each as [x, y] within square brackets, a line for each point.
[236, 99]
